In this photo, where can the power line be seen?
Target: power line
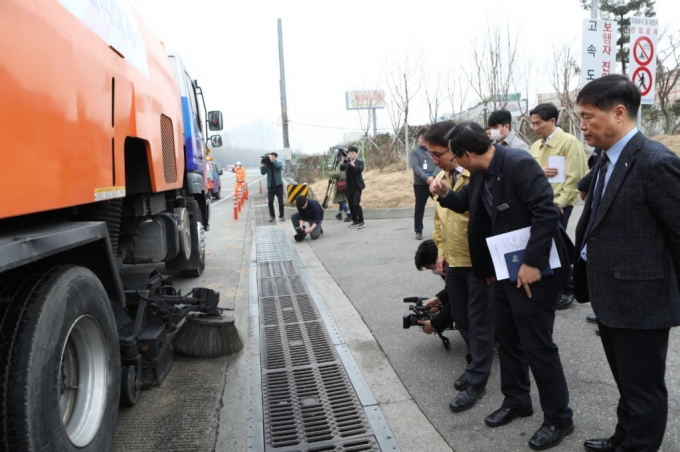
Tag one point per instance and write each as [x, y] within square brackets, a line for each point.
[329, 127]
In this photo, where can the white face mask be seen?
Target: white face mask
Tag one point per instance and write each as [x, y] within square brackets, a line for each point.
[495, 134]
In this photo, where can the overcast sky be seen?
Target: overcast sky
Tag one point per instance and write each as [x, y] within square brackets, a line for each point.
[331, 47]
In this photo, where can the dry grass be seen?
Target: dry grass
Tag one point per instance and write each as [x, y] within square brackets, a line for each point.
[387, 190]
[672, 142]
[394, 186]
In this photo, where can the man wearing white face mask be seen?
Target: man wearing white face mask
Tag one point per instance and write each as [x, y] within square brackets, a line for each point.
[500, 127]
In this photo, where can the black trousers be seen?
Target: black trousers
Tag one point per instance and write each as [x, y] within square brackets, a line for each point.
[472, 307]
[524, 328]
[316, 233]
[354, 203]
[637, 359]
[278, 192]
[422, 192]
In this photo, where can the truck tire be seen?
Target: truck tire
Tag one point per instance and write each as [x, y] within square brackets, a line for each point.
[218, 193]
[197, 246]
[59, 362]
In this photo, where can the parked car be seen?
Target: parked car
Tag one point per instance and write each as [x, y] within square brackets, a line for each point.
[214, 182]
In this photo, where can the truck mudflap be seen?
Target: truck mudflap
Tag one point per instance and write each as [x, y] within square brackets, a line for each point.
[86, 243]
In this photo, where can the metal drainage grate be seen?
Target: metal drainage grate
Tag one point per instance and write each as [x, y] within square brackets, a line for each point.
[296, 344]
[271, 244]
[288, 309]
[311, 405]
[280, 268]
[281, 285]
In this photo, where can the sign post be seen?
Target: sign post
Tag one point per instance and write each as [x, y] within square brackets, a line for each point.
[598, 50]
[642, 58]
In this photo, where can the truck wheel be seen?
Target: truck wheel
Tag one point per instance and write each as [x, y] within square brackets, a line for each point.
[218, 193]
[197, 245]
[60, 363]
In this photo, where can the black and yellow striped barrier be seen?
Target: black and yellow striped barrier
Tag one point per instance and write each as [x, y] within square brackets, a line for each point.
[295, 190]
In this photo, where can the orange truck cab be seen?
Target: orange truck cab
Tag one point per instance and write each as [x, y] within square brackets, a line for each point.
[119, 128]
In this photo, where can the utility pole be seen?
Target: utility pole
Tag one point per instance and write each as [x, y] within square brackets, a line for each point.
[594, 9]
[284, 106]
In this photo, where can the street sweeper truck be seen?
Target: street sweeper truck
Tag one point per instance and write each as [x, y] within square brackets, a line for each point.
[114, 131]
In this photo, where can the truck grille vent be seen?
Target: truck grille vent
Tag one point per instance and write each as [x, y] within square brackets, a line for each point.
[169, 159]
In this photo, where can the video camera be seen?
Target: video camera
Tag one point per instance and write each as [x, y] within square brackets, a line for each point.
[299, 233]
[416, 312]
[265, 159]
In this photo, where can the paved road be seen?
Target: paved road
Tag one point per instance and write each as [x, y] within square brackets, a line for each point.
[362, 275]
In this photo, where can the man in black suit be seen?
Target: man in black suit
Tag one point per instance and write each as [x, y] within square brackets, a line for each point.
[508, 191]
[355, 185]
[628, 258]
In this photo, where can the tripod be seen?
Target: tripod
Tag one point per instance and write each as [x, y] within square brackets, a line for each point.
[331, 181]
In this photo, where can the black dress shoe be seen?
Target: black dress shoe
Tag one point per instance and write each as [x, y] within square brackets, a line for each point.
[591, 318]
[460, 383]
[467, 398]
[504, 415]
[597, 331]
[550, 436]
[602, 444]
[564, 302]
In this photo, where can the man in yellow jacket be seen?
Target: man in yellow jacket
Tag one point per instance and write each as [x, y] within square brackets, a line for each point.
[470, 297]
[568, 168]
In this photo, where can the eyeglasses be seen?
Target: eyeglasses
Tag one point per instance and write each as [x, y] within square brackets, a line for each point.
[437, 156]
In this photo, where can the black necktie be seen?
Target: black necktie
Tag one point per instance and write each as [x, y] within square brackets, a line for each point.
[599, 189]
[487, 196]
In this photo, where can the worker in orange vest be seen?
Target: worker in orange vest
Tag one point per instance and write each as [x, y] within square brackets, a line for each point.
[240, 178]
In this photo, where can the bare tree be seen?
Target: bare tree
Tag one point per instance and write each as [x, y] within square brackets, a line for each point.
[434, 94]
[366, 114]
[457, 94]
[404, 83]
[563, 71]
[667, 74]
[494, 60]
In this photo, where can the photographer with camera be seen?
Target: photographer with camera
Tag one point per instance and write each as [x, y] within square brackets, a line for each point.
[309, 211]
[355, 185]
[426, 258]
[472, 300]
[272, 168]
[340, 188]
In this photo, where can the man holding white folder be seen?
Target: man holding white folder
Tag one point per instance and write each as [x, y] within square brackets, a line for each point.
[508, 191]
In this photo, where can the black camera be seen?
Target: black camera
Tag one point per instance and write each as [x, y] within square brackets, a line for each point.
[415, 312]
[265, 159]
[299, 233]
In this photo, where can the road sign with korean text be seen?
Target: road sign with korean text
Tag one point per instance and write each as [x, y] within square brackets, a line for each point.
[359, 100]
[599, 49]
[642, 58]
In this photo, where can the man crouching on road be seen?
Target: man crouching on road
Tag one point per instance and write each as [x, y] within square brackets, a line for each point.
[311, 212]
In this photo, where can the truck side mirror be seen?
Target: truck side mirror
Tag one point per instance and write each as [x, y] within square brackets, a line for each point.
[216, 141]
[215, 121]
[220, 172]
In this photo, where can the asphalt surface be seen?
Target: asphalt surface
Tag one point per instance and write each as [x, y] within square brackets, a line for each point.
[362, 276]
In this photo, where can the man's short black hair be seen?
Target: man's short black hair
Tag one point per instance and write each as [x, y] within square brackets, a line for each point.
[422, 132]
[546, 111]
[300, 201]
[501, 117]
[426, 254]
[274, 154]
[437, 132]
[609, 91]
[468, 136]
[352, 149]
